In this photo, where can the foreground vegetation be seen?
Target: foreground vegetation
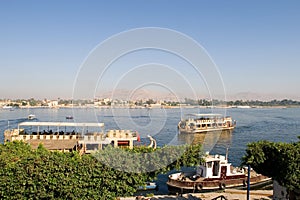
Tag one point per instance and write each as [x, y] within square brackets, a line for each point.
[281, 161]
[40, 174]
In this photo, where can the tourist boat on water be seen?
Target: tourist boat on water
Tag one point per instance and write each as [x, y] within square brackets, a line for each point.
[213, 174]
[7, 107]
[201, 123]
[68, 136]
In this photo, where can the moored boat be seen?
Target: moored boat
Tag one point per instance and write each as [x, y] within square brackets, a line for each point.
[213, 174]
[31, 117]
[148, 186]
[69, 117]
[68, 136]
[7, 107]
[201, 123]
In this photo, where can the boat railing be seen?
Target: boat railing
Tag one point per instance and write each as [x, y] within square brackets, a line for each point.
[221, 197]
[121, 134]
[94, 136]
[44, 137]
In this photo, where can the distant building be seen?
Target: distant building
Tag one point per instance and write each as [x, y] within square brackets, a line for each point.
[53, 103]
[155, 105]
[2, 103]
[102, 102]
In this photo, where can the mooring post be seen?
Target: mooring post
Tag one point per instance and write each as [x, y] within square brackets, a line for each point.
[248, 183]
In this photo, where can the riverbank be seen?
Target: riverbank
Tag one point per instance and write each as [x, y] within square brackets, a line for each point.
[142, 107]
[230, 194]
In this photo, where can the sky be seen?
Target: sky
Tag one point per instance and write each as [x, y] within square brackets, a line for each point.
[255, 46]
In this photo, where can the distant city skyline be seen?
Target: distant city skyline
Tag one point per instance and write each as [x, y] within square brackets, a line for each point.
[255, 46]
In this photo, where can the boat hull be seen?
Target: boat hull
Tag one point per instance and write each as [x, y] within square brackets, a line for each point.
[211, 185]
[148, 186]
[182, 130]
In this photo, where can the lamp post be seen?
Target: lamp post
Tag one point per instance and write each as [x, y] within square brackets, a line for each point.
[248, 183]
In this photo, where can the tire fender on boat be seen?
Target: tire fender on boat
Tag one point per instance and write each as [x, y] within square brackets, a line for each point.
[244, 183]
[222, 186]
[199, 187]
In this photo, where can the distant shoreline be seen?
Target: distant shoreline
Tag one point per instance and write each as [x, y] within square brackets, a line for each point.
[156, 107]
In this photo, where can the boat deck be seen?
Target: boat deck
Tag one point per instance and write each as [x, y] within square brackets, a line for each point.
[59, 135]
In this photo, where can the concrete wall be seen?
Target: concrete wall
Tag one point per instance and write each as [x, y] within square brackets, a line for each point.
[280, 193]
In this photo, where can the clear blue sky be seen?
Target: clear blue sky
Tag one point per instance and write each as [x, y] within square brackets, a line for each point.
[255, 44]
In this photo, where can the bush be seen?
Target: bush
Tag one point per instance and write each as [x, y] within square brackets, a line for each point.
[277, 160]
[26, 173]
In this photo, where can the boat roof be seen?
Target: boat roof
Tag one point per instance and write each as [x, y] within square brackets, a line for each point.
[216, 157]
[61, 124]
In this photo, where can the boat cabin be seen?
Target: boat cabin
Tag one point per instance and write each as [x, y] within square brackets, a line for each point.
[216, 167]
[68, 136]
[205, 122]
[214, 173]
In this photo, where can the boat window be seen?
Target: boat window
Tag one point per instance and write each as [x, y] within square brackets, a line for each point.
[92, 147]
[216, 168]
[209, 164]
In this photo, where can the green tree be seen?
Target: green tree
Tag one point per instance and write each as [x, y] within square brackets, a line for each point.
[150, 101]
[27, 173]
[277, 160]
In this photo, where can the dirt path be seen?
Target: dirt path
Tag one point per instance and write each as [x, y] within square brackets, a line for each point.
[229, 194]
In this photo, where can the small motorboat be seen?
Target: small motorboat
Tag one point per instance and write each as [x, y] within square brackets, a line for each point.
[213, 174]
[148, 186]
[31, 117]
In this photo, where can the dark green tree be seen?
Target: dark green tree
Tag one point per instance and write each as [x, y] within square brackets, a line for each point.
[27, 173]
[277, 160]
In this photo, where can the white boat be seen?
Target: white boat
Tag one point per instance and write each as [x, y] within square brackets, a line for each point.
[69, 117]
[201, 123]
[7, 107]
[68, 136]
[31, 117]
[213, 174]
[148, 186]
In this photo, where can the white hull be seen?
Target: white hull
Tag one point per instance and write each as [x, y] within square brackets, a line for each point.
[206, 130]
[214, 173]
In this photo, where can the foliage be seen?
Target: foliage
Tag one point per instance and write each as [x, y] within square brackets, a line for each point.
[216, 102]
[277, 160]
[148, 161]
[150, 101]
[40, 174]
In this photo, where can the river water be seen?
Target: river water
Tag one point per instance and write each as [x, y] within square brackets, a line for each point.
[273, 124]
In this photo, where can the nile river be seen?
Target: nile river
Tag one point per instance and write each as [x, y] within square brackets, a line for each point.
[273, 124]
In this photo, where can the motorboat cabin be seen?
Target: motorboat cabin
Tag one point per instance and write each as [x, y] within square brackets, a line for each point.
[215, 172]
